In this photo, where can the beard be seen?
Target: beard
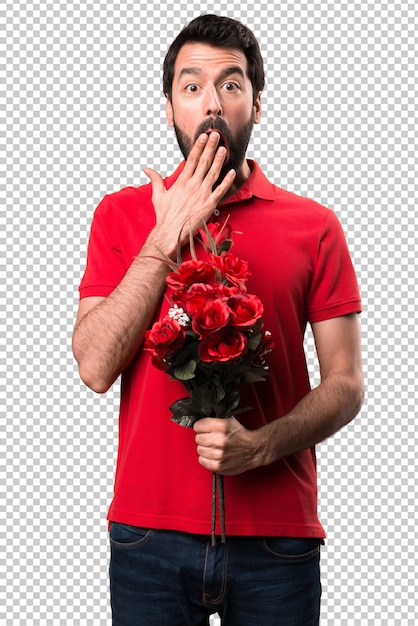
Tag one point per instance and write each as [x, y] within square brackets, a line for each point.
[236, 147]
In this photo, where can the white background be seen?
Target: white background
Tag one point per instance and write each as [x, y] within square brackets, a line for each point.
[82, 113]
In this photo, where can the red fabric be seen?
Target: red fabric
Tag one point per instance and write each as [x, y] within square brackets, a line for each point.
[302, 272]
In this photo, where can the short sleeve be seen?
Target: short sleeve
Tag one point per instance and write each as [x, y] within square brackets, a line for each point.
[105, 265]
[334, 289]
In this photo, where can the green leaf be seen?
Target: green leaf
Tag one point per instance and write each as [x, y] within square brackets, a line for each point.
[184, 405]
[205, 406]
[254, 341]
[252, 376]
[185, 412]
[187, 421]
[186, 371]
[225, 246]
[232, 401]
[219, 391]
[243, 409]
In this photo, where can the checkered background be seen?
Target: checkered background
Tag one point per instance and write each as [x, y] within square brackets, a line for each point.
[82, 113]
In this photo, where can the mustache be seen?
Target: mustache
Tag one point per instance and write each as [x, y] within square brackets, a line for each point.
[215, 123]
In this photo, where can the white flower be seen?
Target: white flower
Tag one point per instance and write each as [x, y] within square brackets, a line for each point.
[177, 313]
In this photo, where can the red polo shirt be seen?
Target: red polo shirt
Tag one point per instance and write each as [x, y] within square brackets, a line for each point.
[302, 272]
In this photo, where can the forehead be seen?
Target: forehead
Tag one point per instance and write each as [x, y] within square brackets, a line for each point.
[208, 59]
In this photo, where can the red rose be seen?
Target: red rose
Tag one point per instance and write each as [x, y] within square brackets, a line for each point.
[218, 232]
[191, 272]
[266, 344]
[197, 296]
[164, 339]
[224, 291]
[234, 269]
[246, 309]
[228, 347]
[211, 318]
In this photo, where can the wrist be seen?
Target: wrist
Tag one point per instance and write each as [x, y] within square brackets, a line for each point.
[265, 448]
[154, 252]
[160, 247]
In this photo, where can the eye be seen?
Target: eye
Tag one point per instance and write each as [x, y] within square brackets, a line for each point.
[231, 86]
[192, 88]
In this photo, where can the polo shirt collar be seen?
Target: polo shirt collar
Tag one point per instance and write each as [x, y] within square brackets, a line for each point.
[257, 185]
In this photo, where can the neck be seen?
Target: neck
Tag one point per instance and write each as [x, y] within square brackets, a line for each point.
[242, 175]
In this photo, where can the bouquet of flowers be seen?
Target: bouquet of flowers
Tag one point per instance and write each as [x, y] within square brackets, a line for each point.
[212, 339]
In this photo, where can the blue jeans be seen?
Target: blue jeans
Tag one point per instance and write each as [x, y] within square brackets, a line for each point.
[161, 578]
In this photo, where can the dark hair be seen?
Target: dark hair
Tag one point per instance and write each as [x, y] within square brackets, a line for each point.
[220, 32]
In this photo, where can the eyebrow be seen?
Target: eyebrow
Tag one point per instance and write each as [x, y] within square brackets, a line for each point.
[196, 71]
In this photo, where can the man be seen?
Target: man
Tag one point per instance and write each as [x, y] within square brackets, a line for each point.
[163, 568]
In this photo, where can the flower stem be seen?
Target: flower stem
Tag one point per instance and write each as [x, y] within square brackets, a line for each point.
[214, 477]
[222, 505]
[218, 489]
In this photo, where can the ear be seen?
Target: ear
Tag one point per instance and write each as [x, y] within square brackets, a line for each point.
[257, 109]
[169, 111]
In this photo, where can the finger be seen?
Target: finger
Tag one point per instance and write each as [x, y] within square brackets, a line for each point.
[204, 425]
[211, 155]
[200, 161]
[209, 453]
[156, 181]
[195, 154]
[224, 186]
[154, 176]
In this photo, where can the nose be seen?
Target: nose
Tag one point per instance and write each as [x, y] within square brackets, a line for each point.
[212, 103]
